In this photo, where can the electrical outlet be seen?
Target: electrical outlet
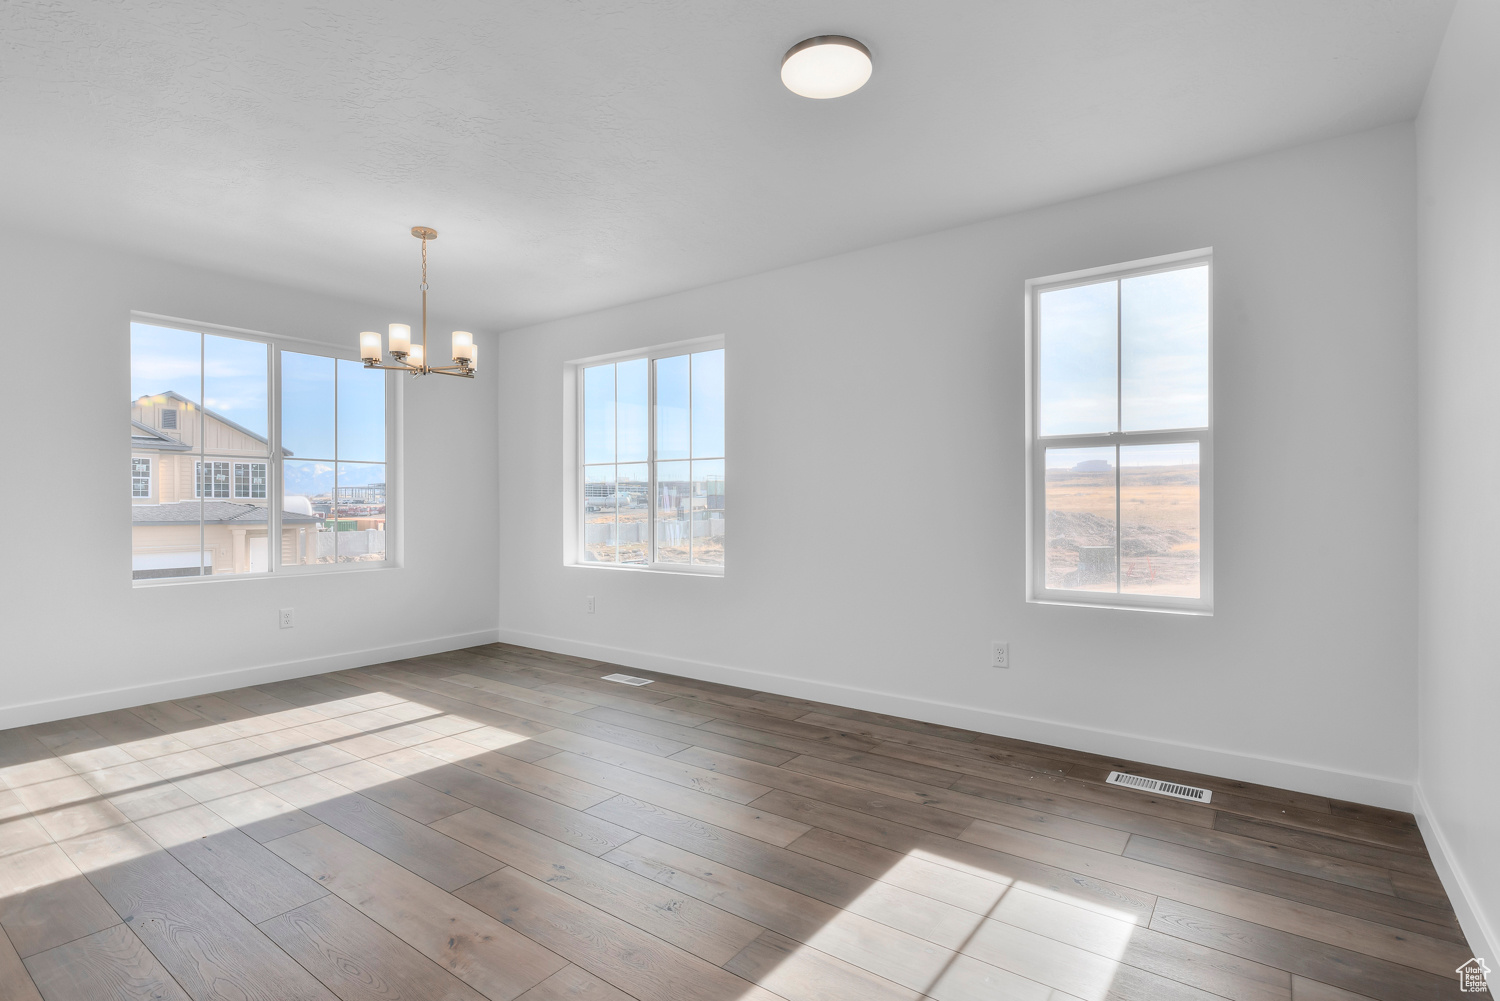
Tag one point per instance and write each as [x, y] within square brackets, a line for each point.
[1000, 654]
[588, 604]
[286, 618]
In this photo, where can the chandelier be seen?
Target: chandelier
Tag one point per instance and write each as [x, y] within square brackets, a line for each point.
[409, 357]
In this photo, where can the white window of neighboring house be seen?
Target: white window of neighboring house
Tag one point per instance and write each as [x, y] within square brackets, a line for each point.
[250, 480]
[212, 480]
[266, 417]
[650, 470]
[1120, 435]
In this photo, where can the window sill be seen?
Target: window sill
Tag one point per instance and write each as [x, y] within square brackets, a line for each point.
[1121, 606]
[658, 568]
[285, 573]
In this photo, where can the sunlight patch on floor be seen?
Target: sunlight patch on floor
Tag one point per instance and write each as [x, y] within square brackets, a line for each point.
[113, 803]
[1007, 939]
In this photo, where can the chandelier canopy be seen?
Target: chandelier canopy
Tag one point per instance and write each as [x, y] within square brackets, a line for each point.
[409, 357]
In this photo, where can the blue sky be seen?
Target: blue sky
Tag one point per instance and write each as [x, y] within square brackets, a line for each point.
[232, 375]
[615, 400]
[1162, 337]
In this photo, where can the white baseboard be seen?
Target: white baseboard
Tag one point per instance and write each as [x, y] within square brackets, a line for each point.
[1471, 917]
[1374, 790]
[199, 684]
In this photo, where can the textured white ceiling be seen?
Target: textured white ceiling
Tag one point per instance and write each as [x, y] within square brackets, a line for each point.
[574, 155]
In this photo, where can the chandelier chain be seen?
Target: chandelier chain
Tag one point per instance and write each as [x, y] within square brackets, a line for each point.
[424, 264]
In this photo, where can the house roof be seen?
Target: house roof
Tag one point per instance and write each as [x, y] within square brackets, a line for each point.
[173, 395]
[142, 436]
[215, 512]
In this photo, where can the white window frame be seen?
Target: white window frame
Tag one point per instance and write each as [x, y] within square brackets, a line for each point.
[393, 455]
[249, 465]
[574, 489]
[149, 476]
[198, 464]
[1037, 445]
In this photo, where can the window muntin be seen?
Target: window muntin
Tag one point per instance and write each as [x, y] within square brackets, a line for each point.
[220, 463]
[1121, 443]
[651, 475]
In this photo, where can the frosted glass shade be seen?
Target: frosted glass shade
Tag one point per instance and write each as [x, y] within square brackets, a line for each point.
[826, 66]
[369, 346]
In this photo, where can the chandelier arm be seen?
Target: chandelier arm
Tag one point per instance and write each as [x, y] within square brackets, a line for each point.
[451, 370]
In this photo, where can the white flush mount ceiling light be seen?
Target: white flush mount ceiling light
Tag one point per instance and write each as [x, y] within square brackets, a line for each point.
[826, 66]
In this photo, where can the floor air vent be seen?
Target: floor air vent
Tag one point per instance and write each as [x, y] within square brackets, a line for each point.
[626, 679]
[1157, 785]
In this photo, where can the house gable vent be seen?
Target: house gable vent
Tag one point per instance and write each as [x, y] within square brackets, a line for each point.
[169, 420]
[626, 679]
[1173, 789]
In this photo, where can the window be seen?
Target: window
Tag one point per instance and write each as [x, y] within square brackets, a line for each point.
[251, 418]
[250, 480]
[212, 479]
[651, 460]
[1121, 435]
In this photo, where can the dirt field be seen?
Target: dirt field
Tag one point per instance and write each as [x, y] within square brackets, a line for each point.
[1159, 529]
[706, 549]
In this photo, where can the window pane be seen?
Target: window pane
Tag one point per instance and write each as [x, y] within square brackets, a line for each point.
[166, 383]
[599, 414]
[633, 414]
[708, 511]
[241, 480]
[307, 403]
[212, 479]
[1159, 519]
[231, 525]
[708, 404]
[1080, 501]
[599, 501]
[673, 510]
[306, 505]
[632, 513]
[235, 394]
[359, 531]
[140, 479]
[361, 412]
[1164, 350]
[1076, 360]
[165, 361]
[672, 433]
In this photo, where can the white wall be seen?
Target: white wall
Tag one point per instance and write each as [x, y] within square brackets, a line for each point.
[1459, 505]
[900, 368]
[73, 631]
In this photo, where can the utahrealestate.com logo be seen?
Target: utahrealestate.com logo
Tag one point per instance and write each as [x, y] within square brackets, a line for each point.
[1474, 976]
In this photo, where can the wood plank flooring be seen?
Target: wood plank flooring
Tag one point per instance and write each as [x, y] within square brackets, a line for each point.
[498, 823]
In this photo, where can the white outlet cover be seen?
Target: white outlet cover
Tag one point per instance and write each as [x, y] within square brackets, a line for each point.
[1000, 654]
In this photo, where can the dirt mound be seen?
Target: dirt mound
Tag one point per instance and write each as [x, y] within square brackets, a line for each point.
[1074, 529]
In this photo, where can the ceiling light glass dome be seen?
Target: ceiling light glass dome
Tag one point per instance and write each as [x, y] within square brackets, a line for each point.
[826, 66]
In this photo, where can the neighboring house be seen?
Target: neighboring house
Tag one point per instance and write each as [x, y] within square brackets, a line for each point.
[174, 488]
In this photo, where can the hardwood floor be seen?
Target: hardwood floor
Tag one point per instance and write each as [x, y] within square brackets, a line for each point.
[499, 823]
